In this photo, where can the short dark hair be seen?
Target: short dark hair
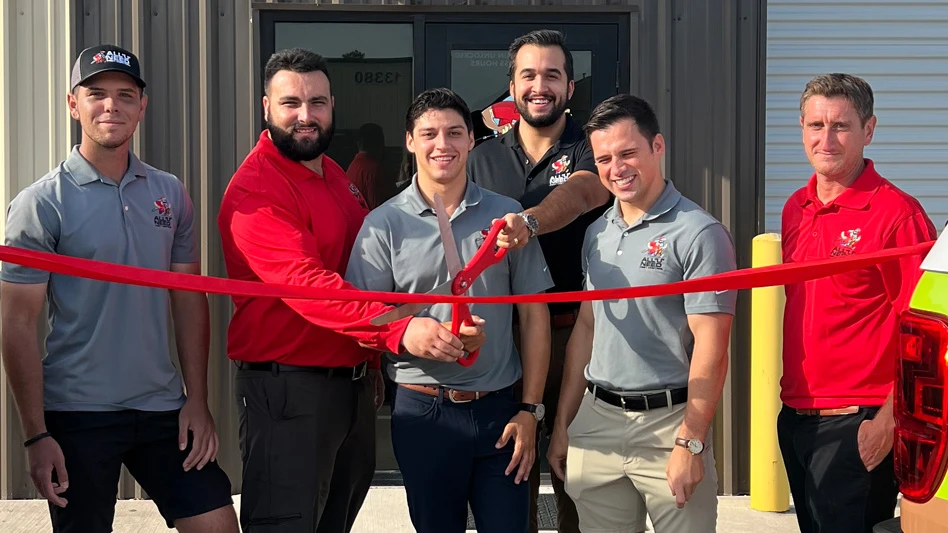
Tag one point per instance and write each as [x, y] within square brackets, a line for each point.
[441, 98]
[298, 60]
[854, 89]
[621, 107]
[540, 38]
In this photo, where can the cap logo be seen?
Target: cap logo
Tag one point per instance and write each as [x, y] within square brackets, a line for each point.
[112, 57]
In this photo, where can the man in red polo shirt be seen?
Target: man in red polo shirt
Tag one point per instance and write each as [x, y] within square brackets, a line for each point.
[840, 332]
[290, 216]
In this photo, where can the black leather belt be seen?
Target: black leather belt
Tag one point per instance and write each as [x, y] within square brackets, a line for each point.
[356, 373]
[640, 402]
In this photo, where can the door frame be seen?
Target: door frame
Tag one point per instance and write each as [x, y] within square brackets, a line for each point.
[419, 16]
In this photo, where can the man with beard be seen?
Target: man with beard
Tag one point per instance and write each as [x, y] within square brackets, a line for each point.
[106, 393]
[545, 163]
[290, 216]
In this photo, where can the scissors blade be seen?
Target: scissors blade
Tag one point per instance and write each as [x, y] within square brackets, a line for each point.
[410, 309]
[451, 255]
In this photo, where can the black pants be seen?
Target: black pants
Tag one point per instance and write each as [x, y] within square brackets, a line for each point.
[832, 490]
[95, 445]
[448, 458]
[307, 442]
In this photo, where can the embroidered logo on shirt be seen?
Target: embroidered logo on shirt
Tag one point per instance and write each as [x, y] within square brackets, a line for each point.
[654, 254]
[560, 171]
[358, 196]
[847, 242]
[163, 208]
[479, 240]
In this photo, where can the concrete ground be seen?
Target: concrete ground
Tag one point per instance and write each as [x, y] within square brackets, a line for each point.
[385, 510]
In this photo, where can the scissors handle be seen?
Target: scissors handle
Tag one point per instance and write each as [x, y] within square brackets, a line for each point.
[484, 258]
[461, 314]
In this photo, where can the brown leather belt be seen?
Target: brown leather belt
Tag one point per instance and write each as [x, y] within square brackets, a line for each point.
[564, 320]
[456, 396]
[850, 410]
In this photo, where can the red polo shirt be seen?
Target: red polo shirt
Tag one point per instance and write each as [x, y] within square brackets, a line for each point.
[282, 223]
[840, 334]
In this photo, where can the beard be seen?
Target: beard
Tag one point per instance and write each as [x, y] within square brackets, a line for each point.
[541, 121]
[305, 150]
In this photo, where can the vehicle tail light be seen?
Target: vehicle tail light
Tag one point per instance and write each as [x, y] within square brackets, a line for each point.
[920, 407]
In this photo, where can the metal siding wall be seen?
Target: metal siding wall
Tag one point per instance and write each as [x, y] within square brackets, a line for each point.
[713, 140]
[902, 51]
[199, 58]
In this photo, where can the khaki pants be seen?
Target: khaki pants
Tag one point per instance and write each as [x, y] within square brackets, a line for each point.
[615, 472]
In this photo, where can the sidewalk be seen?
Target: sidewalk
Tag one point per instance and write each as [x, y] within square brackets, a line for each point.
[385, 510]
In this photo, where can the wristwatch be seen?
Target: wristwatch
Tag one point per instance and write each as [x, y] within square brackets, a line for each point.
[536, 408]
[694, 446]
[532, 223]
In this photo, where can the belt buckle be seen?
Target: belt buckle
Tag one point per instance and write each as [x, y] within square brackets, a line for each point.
[645, 399]
[359, 371]
[455, 400]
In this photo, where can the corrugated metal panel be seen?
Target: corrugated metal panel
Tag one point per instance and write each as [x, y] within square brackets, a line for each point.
[199, 58]
[901, 49]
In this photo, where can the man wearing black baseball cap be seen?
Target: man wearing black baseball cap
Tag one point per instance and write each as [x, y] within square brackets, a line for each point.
[107, 393]
[105, 58]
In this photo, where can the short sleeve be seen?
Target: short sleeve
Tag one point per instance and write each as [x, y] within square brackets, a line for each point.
[370, 263]
[711, 252]
[529, 273]
[184, 249]
[900, 277]
[32, 224]
[585, 161]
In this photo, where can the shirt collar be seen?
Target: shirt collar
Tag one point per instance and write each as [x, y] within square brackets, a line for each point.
[295, 170]
[84, 173]
[414, 199]
[665, 203]
[572, 134]
[856, 196]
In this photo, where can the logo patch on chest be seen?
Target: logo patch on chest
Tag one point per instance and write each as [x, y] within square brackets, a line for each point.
[654, 254]
[560, 169]
[163, 210]
[846, 245]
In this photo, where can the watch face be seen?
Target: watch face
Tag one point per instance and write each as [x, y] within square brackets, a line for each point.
[541, 411]
[695, 446]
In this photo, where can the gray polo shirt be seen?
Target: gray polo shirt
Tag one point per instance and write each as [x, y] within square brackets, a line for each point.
[108, 346]
[645, 344]
[399, 249]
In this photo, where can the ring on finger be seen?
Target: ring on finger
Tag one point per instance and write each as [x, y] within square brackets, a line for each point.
[516, 240]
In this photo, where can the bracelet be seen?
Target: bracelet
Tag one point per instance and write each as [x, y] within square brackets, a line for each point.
[35, 439]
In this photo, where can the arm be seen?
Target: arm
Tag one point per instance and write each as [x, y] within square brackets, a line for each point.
[279, 248]
[578, 354]
[535, 349]
[20, 308]
[875, 436]
[709, 362]
[581, 193]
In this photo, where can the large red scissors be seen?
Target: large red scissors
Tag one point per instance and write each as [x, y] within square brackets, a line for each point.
[461, 277]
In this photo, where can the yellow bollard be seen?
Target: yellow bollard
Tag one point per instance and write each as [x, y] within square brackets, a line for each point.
[769, 489]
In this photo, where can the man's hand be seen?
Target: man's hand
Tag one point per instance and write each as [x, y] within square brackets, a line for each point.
[473, 337]
[195, 416]
[875, 441]
[515, 235]
[523, 428]
[378, 382]
[684, 472]
[45, 457]
[556, 453]
[428, 339]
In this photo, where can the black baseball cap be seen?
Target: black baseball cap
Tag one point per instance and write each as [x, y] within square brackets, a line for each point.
[105, 58]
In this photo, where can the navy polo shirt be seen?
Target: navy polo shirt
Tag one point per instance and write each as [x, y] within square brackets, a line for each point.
[501, 165]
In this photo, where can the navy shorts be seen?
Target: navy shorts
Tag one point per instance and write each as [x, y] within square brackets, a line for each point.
[95, 446]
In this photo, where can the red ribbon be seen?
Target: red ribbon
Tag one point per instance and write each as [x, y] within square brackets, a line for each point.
[735, 280]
